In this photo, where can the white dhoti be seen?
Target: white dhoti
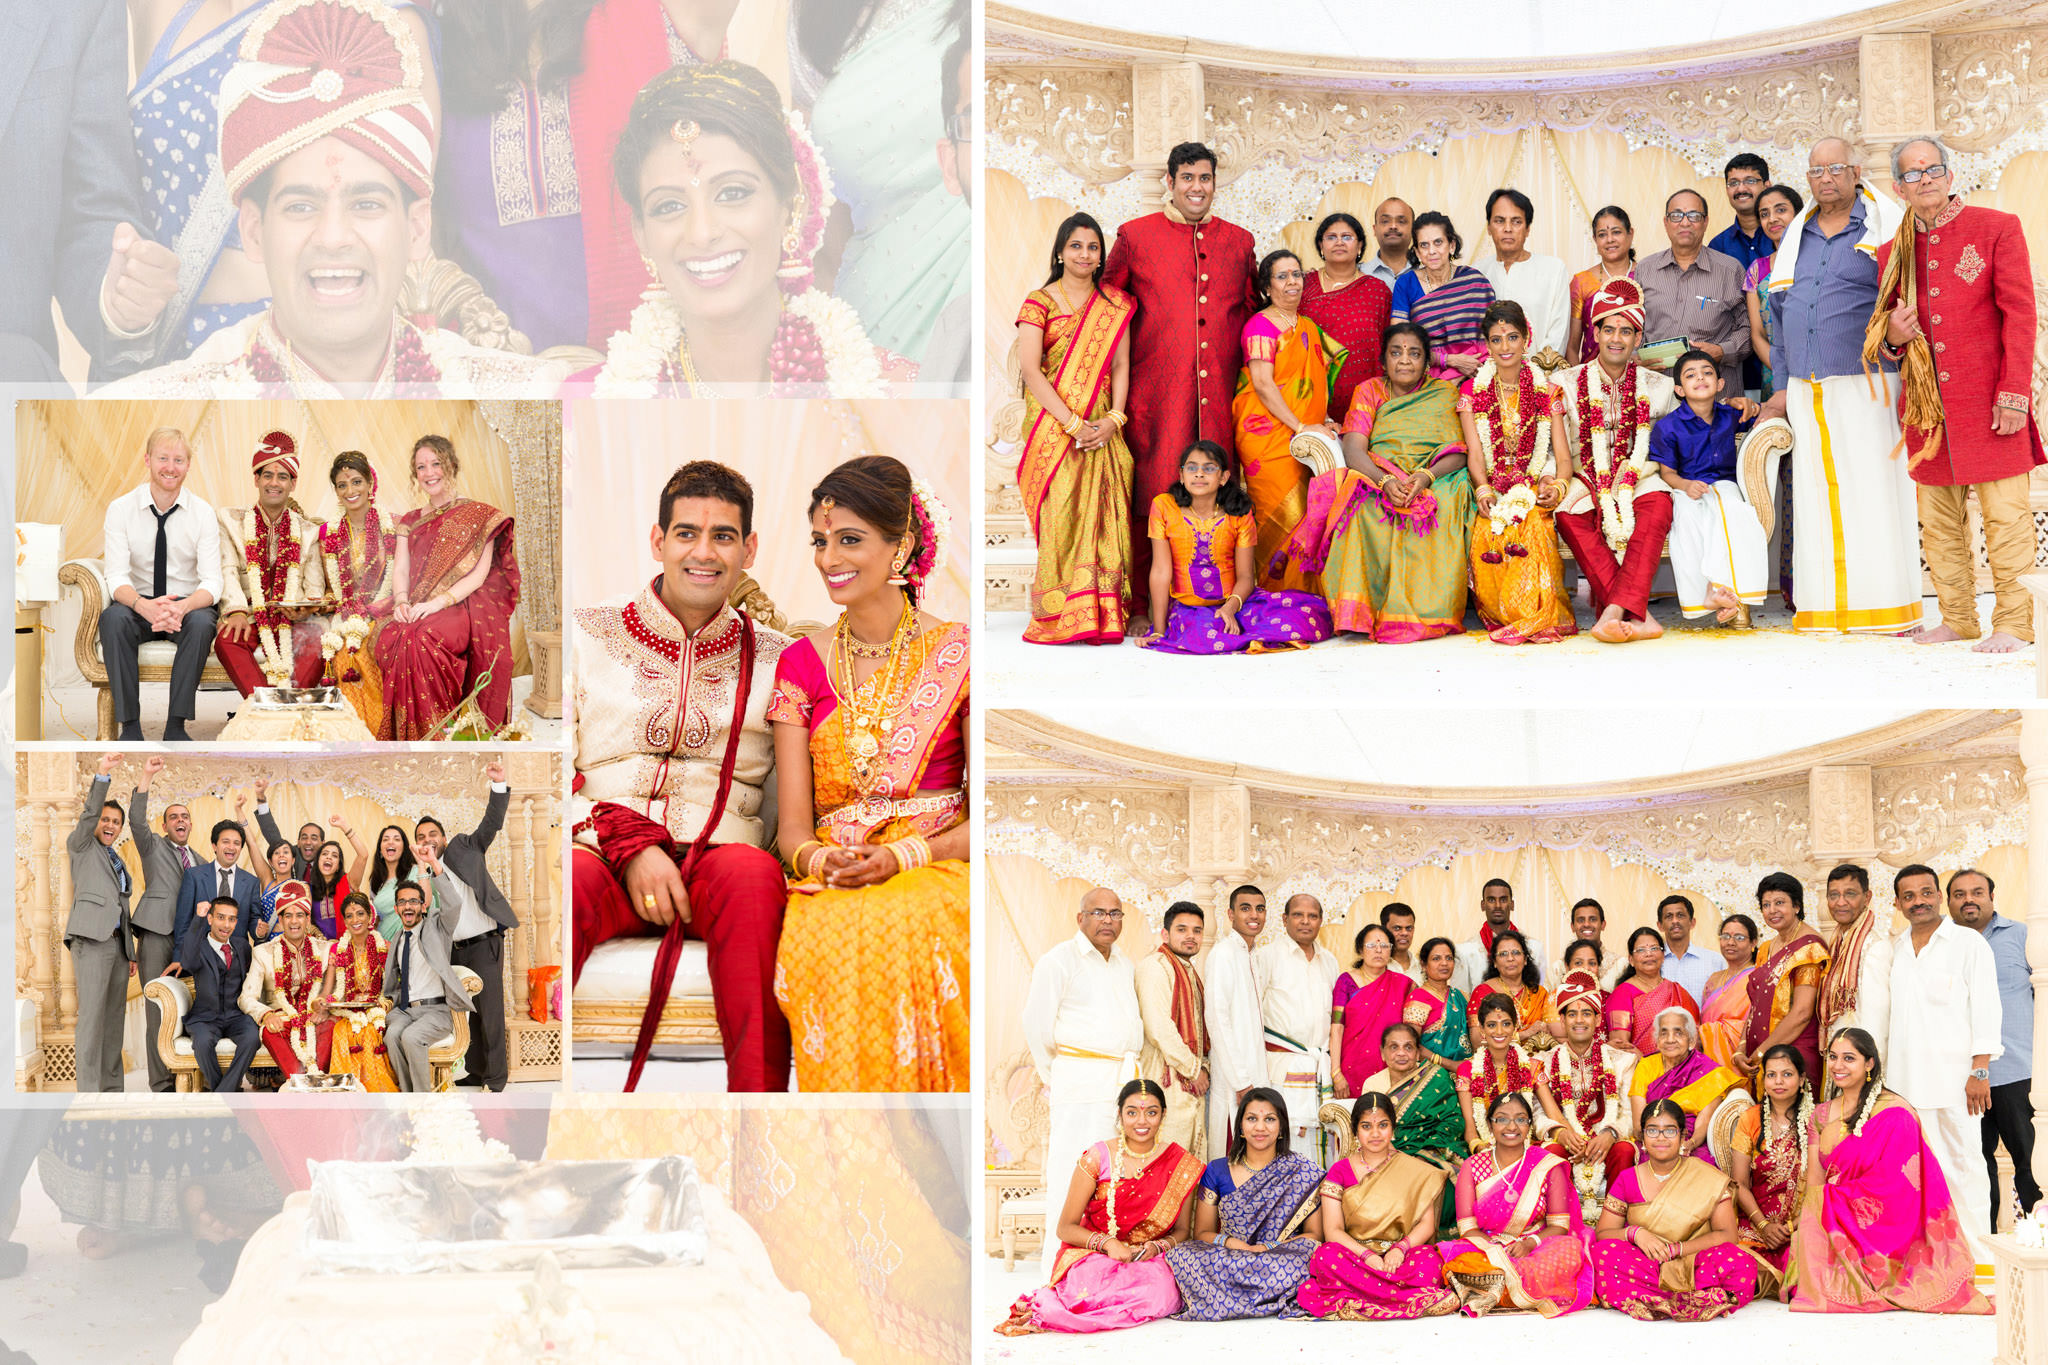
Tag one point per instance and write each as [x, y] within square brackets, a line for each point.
[1855, 519]
[1082, 1099]
[1958, 1144]
[1302, 1076]
[1717, 539]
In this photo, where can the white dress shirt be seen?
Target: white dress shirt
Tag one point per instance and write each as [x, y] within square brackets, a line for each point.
[418, 975]
[191, 534]
[1082, 1001]
[1542, 286]
[470, 919]
[1294, 996]
[1230, 1006]
[1944, 1012]
[223, 880]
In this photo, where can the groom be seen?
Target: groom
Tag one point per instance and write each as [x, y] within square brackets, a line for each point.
[666, 802]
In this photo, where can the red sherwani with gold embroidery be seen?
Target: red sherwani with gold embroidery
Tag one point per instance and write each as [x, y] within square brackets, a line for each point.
[1975, 293]
[1193, 283]
[658, 766]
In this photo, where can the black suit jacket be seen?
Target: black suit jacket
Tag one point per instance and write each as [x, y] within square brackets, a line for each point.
[464, 856]
[67, 158]
[216, 991]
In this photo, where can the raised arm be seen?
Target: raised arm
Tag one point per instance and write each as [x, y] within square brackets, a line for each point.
[360, 869]
[494, 809]
[82, 835]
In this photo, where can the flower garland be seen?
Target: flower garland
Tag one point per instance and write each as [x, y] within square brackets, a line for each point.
[1589, 1107]
[1520, 1075]
[1614, 488]
[273, 582]
[1802, 1112]
[818, 342]
[1516, 476]
[934, 526]
[410, 363]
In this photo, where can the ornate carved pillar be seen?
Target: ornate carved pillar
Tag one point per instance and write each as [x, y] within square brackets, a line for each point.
[1219, 848]
[1897, 97]
[1844, 813]
[1166, 109]
[42, 916]
[2034, 755]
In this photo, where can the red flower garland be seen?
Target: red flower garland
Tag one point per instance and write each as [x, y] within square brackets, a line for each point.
[1635, 413]
[1507, 471]
[1589, 1106]
[410, 362]
[334, 541]
[795, 357]
[1519, 1077]
[271, 573]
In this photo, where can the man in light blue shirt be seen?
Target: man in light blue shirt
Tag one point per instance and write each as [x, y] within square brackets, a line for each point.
[2010, 1118]
[1393, 231]
[1688, 966]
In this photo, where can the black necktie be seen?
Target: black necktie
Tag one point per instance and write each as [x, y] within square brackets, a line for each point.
[157, 586]
[405, 971]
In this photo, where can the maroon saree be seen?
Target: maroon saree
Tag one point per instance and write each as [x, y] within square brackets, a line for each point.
[429, 665]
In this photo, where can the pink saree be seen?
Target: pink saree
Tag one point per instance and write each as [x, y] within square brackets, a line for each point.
[1633, 1010]
[1379, 1210]
[1365, 1012]
[1695, 1288]
[1878, 1230]
[1091, 1291]
[431, 664]
[1495, 1208]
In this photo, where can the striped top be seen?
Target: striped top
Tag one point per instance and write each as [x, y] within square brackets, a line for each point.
[1449, 313]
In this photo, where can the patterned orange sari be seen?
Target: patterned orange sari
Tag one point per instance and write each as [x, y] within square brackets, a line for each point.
[1078, 501]
[358, 1021]
[1305, 365]
[358, 563]
[884, 1007]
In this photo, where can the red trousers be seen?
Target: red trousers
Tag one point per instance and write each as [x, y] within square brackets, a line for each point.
[279, 1046]
[736, 899]
[1620, 1157]
[1625, 583]
[239, 659]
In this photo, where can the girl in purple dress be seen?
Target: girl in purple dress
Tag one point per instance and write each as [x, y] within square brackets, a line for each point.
[1203, 598]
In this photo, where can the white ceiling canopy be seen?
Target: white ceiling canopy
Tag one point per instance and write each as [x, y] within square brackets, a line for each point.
[1408, 743]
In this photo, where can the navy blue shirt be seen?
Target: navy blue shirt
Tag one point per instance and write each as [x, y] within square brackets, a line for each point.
[1748, 250]
[1682, 442]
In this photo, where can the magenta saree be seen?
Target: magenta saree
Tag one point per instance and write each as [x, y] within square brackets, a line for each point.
[1695, 1288]
[1379, 1209]
[1633, 1010]
[1365, 1011]
[1533, 1196]
[1878, 1228]
[432, 663]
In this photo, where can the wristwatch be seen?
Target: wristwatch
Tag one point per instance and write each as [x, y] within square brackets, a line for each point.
[1979, 1074]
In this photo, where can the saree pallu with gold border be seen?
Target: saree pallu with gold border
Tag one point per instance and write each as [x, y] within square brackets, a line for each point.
[881, 1009]
[1496, 1209]
[431, 664]
[1695, 1288]
[358, 1048]
[1878, 1228]
[1090, 1291]
[1380, 1209]
[1078, 501]
[1305, 365]
[1724, 1018]
[1775, 1171]
[1801, 961]
[361, 581]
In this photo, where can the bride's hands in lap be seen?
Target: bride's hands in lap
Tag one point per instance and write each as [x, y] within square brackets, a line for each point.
[862, 865]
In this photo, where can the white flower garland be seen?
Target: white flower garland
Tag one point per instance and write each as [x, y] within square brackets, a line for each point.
[1618, 513]
[636, 357]
[271, 654]
[1518, 502]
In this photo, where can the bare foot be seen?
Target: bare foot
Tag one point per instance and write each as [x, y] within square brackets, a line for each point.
[1645, 629]
[1998, 642]
[1934, 635]
[1724, 602]
[1611, 628]
[96, 1244]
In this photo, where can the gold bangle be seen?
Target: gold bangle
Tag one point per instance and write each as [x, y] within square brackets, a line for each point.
[1072, 425]
[796, 859]
[811, 870]
[1234, 597]
[1114, 416]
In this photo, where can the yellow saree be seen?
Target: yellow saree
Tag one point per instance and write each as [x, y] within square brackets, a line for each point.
[358, 1048]
[1078, 501]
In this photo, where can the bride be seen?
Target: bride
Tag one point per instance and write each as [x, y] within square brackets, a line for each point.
[729, 201]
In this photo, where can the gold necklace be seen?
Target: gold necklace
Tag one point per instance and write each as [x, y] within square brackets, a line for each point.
[865, 724]
[861, 649]
[1059, 287]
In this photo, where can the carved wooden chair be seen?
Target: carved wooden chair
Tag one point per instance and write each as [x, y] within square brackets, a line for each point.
[153, 659]
[173, 997]
[611, 995]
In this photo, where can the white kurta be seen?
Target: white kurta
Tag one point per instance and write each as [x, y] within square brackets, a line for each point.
[1237, 1047]
[1472, 962]
[1855, 559]
[1543, 287]
[1082, 1025]
[1873, 1011]
[1717, 539]
[1294, 1003]
[1167, 1058]
[1945, 1011]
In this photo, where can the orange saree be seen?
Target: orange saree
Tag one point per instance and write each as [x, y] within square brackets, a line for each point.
[1305, 365]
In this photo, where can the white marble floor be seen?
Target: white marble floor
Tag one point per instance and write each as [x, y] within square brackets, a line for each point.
[1772, 664]
[1761, 1331]
[68, 713]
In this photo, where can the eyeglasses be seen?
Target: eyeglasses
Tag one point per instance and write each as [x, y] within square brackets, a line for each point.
[1106, 914]
[960, 127]
[1336, 235]
[1745, 182]
[1834, 169]
[1685, 216]
[1934, 172]
[1203, 468]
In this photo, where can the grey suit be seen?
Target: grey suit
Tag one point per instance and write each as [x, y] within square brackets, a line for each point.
[484, 954]
[156, 913]
[96, 933]
[411, 1029]
[67, 156]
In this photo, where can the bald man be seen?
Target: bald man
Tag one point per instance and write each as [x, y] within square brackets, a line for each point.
[1297, 977]
[1085, 1032]
[1393, 229]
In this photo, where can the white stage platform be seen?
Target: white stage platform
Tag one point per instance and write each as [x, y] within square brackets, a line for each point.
[1690, 665]
[68, 712]
[1761, 1331]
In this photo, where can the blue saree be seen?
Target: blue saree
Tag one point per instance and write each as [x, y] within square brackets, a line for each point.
[1268, 1210]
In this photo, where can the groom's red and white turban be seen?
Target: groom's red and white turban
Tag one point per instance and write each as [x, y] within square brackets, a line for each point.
[1621, 299]
[310, 69]
[277, 448]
